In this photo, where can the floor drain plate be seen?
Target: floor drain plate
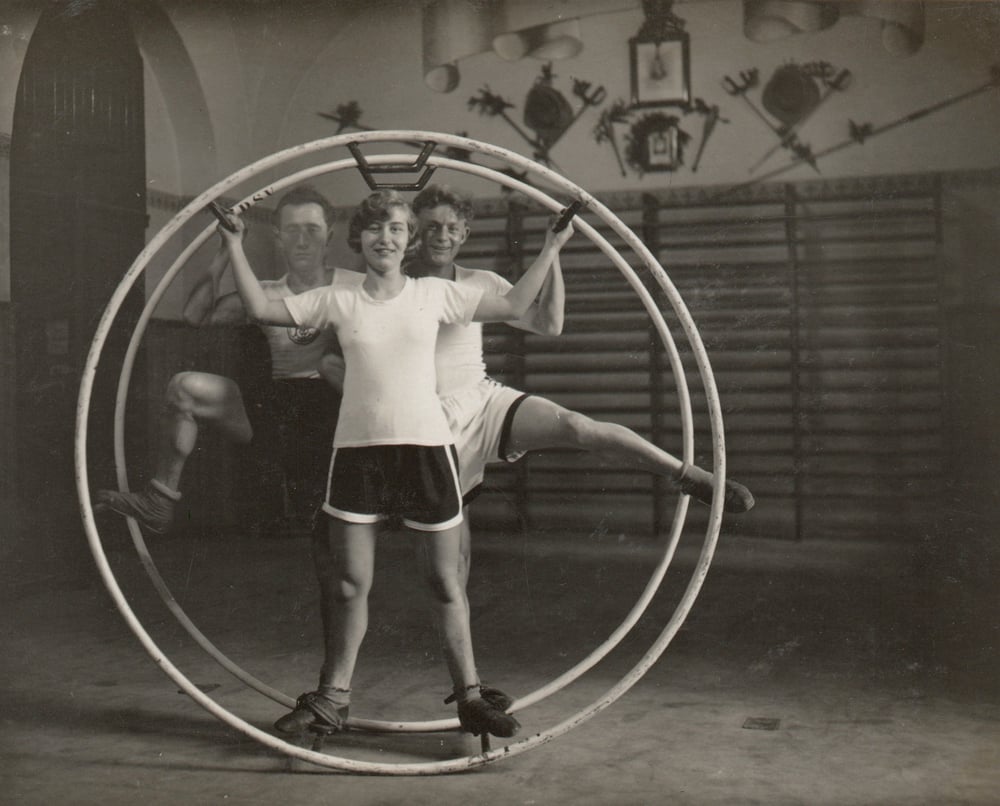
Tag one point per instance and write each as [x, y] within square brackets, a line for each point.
[761, 723]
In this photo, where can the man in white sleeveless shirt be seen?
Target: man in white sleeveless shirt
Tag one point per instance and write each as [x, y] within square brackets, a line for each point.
[494, 423]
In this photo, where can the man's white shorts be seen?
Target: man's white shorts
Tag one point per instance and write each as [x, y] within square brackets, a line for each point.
[480, 418]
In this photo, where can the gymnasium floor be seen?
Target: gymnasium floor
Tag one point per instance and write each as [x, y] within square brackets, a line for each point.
[849, 653]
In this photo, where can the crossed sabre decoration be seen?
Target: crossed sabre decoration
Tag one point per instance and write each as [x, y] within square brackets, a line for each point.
[346, 116]
[859, 133]
[604, 131]
[712, 119]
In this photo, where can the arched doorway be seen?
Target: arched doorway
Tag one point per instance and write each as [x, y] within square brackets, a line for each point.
[78, 219]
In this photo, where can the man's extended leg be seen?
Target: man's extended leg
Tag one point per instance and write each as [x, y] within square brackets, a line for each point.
[192, 399]
[539, 424]
[445, 570]
[345, 564]
[465, 551]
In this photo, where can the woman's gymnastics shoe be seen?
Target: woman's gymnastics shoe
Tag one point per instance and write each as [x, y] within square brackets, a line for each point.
[496, 697]
[315, 711]
[152, 507]
[479, 715]
[697, 483]
[493, 696]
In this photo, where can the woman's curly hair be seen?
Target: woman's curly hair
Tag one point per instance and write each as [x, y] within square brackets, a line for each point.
[376, 208]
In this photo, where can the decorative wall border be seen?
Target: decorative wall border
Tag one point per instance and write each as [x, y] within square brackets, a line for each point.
[694, 196]
[172, 203]
[774, 192]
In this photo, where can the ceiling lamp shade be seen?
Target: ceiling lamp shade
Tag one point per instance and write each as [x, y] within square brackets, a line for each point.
[902, 20]
[513, 29]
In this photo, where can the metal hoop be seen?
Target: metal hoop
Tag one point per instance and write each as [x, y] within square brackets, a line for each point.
[651, 264]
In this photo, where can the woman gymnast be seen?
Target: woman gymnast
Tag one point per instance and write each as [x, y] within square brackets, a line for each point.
[393, 453]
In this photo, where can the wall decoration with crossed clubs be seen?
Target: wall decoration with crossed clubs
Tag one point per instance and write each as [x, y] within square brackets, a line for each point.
[547, 112]
[655, 141]
[793, 94]
[857, 134]
[659, 77]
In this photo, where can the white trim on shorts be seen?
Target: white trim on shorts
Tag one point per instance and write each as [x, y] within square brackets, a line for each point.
[448, 524]
[373, 518]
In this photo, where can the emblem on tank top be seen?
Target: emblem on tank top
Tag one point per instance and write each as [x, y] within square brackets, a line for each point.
[303, 335]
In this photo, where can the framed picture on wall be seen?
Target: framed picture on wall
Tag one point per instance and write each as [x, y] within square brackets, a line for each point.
[660, 70]
[661, 149]
[656, 143]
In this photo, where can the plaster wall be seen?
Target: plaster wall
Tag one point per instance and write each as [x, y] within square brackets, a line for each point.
[267, 76]
[960, 45]
[229, 83]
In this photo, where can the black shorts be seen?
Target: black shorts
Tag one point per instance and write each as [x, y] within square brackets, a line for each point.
[298, 412]
[293, 421]
[418, 483]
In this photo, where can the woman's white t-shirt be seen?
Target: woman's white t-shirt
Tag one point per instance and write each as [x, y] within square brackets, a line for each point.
[390, 395]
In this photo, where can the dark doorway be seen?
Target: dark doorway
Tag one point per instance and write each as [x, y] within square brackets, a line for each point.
[78, 220]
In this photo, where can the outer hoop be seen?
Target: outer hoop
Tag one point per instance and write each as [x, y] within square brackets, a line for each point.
[651, 265]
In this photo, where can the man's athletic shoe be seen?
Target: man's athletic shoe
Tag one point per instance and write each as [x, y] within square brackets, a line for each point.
[478, 716]
[152, 507]
[313, 710]
[697, 483]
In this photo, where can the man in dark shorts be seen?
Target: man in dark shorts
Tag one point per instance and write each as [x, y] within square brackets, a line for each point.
[294, 414]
